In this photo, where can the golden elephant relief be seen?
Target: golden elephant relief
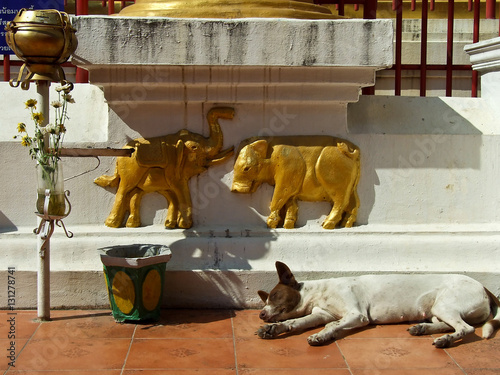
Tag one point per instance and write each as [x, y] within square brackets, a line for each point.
[307, 168]
[165, 165]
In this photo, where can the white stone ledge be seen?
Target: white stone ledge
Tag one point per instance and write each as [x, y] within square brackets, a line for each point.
[224, 267]
[367, 248]
[252, 42]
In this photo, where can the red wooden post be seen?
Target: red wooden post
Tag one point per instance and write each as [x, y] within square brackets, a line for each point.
[449, 48]
[490, 9]
[6, 67]
[475, 39]
[370, 9]
[369, 13]
[82, 7]
[399, 47]
[423, 49]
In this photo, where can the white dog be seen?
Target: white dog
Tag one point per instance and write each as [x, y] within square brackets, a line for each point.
[442, 302]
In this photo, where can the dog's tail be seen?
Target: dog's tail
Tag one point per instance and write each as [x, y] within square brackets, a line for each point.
[493, 324]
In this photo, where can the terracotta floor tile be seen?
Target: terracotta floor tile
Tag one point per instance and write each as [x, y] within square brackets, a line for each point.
[65, 372]
[25, 324]
[80, 325]
[189, 324]
[182, 372]
[246, 323]
[290, 352]
[290, 371]
[494, 371]
[5, 347]
[391, 353]
[181, 354]
[404, 371]
[476, 353]
[379, 331]
[63, 353]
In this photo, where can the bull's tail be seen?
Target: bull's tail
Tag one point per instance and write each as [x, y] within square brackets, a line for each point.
[351, 152]
[493, 324]
[108, 181]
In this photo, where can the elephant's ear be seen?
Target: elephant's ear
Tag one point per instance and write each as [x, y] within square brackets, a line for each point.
[260, 147]
[179, 150]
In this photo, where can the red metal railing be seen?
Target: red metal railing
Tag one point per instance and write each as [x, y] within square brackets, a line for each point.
[370, 11]
[370, 8]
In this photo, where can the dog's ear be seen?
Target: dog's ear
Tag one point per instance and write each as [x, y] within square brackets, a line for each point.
[263, 295]
[285, 275]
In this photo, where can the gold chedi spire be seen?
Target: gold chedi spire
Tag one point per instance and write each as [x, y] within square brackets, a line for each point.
[298, 9]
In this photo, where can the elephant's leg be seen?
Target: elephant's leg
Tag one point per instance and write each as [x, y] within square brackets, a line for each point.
[292, 209]
[185, 217]
[173, 209]
[120, 208]
[134, 218]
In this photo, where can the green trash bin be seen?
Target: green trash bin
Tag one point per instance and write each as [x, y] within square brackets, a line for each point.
[135, 275]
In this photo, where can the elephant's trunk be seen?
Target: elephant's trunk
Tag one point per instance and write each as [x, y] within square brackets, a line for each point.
[216, 139]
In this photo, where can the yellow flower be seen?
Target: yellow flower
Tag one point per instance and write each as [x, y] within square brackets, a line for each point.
[38, 117]
[31, 103]
[62, 128]
[21, 127]
[25, 141]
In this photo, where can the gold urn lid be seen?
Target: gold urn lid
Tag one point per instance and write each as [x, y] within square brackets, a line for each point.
[43, 39]
[298, 9]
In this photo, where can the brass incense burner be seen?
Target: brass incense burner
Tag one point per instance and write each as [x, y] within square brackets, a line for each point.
[43, 39]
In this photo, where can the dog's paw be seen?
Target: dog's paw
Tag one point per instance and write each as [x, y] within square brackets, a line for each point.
[268, 331]
[417, 330]
[442, 342]
[317, 340]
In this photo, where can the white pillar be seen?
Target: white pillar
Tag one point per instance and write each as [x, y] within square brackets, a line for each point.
[43, 241]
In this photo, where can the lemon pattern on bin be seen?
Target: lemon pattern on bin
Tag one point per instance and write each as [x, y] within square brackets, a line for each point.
[151, 290]
[123, 292]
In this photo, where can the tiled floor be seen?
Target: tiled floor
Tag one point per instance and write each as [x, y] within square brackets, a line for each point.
[222, 342]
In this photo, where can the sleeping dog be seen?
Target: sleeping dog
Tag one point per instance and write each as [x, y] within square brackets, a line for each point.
[443, 303]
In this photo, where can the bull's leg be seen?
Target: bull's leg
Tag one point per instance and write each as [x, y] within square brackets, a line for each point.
[134, 218]
[292, 209]
[282, 195]
[351, 211]
[173, 209]
[339, 205]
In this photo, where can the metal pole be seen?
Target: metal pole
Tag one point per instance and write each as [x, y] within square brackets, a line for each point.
[43, 239]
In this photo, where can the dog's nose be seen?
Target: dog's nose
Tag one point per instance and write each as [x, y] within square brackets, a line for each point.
[262, 315]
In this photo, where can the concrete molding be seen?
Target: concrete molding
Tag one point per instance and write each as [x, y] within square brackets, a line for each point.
[485, 55]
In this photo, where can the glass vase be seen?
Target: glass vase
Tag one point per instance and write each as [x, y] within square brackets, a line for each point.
[50, 178]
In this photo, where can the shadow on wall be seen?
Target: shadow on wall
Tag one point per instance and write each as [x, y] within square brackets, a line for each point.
[404, 134]
[6, 225]
[207, 289]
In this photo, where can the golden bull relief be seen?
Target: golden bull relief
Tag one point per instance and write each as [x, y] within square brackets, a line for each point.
[307, 168]
[165, 165]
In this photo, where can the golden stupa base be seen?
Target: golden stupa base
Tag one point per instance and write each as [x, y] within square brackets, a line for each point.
[297, 9]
